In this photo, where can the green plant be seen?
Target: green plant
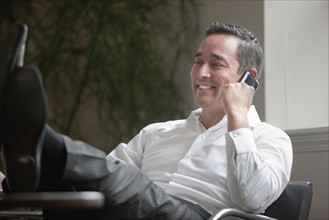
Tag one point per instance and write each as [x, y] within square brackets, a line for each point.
[107, 58]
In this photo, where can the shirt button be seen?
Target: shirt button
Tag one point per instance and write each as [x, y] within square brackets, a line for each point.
[188, 156]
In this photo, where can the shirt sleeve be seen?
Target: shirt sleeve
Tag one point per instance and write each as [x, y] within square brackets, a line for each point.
[132, 153]
[259, 162]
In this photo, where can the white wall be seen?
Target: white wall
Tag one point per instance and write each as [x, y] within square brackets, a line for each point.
[311, 164]
[296, 66]
[296, 88]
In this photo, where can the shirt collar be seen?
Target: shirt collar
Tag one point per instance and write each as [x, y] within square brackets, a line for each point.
[252, 116]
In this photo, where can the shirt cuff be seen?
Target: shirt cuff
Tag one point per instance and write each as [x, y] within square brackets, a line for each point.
[243, 140]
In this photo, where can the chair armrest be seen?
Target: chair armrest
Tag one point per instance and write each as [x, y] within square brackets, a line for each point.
[238, 213]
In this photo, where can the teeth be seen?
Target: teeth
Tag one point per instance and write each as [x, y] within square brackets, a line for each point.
[204, 87]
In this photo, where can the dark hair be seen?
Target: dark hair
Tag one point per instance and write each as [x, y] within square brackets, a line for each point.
[250, 53]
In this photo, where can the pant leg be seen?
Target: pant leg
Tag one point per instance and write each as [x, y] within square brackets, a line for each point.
[128, 193]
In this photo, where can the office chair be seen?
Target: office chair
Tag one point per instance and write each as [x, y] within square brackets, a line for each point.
[293, 203]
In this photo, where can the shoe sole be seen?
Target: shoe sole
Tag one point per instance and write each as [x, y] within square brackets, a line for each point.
[24, 118]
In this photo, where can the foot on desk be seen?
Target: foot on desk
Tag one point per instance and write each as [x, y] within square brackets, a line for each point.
[23, 118]
[12, 49]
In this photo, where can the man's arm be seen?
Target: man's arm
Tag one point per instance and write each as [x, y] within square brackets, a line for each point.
[237, 99]
[132, 153]
[259, 166]
[128, 153]
[259, 159]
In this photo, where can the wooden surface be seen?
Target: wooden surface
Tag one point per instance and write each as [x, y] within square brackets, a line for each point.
[53, 200]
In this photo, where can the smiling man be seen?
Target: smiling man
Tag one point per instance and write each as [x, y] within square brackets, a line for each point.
[221, 156]
[214, 81]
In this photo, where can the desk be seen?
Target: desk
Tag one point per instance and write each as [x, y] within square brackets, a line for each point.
[19, 204]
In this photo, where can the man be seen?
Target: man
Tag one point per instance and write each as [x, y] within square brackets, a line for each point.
[221, 156]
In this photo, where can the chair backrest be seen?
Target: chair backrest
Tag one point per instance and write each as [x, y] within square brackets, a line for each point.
[294, 202]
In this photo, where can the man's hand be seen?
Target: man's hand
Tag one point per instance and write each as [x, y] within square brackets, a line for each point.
[237, 99]
[2, 177]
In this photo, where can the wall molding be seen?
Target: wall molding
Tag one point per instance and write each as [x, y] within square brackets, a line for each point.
[310, 140]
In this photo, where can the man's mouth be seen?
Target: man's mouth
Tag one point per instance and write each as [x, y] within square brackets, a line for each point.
[202, 86]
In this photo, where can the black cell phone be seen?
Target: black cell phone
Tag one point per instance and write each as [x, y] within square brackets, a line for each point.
[249, 79]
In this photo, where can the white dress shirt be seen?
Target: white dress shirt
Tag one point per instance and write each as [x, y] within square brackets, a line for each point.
[246, 168]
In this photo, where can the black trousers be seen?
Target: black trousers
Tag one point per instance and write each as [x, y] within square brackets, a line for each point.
[128, 193]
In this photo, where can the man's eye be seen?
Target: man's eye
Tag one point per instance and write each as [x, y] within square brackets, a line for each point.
[198, 62]
[217, 65]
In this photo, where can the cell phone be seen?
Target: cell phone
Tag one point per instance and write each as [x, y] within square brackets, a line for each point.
[249, 79]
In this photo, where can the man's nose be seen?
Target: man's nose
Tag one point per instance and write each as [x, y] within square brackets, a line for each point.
[204, 72]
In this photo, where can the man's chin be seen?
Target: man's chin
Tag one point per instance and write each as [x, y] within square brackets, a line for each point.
[209, 103]
[203, 103]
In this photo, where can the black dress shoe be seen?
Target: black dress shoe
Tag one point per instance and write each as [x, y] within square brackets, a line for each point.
[12, 49]
[22, 125]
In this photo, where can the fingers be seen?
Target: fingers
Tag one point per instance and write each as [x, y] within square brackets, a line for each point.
[2, 177]
[237, 91]
[242, 86]
[237, 97]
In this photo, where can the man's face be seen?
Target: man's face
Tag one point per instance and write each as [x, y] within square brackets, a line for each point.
[215, 65]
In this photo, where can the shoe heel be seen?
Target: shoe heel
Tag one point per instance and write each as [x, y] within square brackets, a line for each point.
[25, 175]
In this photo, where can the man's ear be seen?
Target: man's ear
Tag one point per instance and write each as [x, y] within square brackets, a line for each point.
[253, 72]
